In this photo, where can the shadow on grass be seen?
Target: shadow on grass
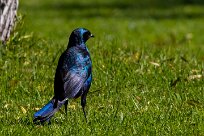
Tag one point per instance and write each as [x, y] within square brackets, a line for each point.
[156, 9]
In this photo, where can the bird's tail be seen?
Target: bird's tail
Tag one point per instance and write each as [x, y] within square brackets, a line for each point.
[46, 113]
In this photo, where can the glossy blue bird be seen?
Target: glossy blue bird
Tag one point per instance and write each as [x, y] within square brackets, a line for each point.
[72, 78]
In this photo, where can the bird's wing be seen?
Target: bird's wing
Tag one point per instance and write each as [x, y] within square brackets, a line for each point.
[73, 82]
[74, 72]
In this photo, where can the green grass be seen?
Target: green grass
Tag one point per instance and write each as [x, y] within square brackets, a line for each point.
[148, 62]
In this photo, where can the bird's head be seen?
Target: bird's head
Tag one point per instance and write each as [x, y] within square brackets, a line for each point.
[80, 36]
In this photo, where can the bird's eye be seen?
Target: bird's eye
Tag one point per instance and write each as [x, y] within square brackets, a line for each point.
[86, 35]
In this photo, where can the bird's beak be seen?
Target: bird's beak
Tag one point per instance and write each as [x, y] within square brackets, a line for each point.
[92, 35]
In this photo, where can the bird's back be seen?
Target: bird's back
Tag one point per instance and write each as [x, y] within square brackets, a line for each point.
[74, 62]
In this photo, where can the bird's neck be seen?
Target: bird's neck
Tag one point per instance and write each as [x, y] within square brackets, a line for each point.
[76, 44]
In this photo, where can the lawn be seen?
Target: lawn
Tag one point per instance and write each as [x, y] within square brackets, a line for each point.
[148, 67]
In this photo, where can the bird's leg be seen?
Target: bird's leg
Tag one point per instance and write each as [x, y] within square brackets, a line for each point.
[83, 104]
[65, 106]
[49, 122]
